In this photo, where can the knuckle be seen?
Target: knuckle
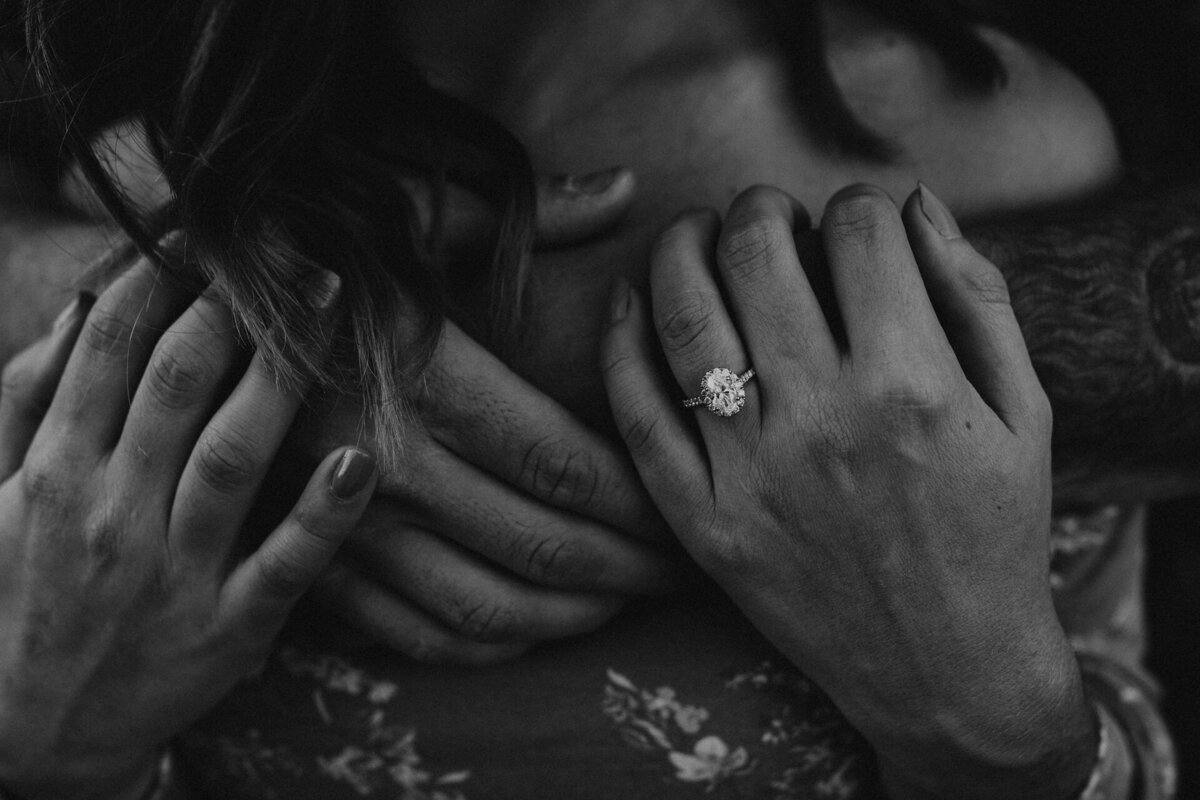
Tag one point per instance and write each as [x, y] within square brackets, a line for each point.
[177, 373]
[637, 422]
[860, 217]
[484, 621]
[620, 369]
[44, 480]
[984, 281]
[107, 333]
[721, 552]
[559, 474]
[281, 573]
[548, 560]
[751, 246]
[686, 321]
[225, 462]
[318, 527]
[615, 361]
[103, 537]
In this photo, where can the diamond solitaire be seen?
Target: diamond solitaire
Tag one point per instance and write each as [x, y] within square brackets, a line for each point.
[722, 391]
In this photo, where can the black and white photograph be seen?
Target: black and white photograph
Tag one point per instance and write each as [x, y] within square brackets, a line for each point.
[599, 399]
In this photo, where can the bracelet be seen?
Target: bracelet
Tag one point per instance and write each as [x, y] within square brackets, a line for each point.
[162, 784]
[1132, 729]
[1112, 777]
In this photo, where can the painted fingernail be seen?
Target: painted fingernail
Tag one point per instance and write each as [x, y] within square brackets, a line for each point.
[592, 183]
[323, 291]
[619, 300]
[936, 212]
[352, 475]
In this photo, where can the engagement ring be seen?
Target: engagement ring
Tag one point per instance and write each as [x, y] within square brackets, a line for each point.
[722, 392]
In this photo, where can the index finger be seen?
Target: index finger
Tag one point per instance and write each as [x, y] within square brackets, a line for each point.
[480, 409]
[112, 349]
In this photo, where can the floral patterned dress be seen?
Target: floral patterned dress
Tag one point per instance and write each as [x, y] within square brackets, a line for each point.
[681, 699]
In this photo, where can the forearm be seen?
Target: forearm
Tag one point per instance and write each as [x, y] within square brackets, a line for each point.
[1017, 724]
[1104, 295]
[1108, 298]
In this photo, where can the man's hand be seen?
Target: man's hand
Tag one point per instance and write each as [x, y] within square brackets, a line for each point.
[507, 521]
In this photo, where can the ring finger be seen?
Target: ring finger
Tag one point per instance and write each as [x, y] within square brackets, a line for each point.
[694, 327]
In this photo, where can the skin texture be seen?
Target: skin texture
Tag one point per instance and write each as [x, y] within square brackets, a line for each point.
[703, 113]
[569, 299]
[560, 533]
[709, 115]
[889, 474]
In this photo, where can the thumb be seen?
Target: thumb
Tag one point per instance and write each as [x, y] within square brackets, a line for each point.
[263, 588]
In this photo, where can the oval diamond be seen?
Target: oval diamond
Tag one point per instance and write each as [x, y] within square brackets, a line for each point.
[723, 391]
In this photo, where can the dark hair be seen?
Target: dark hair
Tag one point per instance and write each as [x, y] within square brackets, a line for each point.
[286, 130]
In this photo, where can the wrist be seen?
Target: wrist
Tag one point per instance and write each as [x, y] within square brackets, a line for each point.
[1032, 736]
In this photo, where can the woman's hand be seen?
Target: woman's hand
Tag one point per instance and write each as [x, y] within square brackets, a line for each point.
[125, 609]
[558, 539]
[508, 521]
[879, 508]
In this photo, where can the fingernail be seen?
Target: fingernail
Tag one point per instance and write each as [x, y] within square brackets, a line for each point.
[323, 292]
[75, 309]
[857, 190]
[592, 183]
[352, 475]
[619, 300]
[67, 314]
[936, 212]
[172, 240]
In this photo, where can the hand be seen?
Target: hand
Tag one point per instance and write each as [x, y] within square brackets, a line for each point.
[879, 508]
[125, 614]
[508, 522]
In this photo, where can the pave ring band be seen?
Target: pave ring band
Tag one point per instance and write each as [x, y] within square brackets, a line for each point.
[722, 391]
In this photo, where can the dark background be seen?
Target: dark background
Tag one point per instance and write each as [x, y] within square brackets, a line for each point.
[1173, 599]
